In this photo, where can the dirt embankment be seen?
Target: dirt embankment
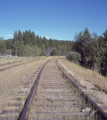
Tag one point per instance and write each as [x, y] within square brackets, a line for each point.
[87, 78]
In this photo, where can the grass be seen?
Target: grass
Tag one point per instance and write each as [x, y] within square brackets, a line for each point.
[12, 80]
[21, 59]
[91, 76]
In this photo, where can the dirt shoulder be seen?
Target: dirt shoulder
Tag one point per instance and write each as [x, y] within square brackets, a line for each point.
[87, 78]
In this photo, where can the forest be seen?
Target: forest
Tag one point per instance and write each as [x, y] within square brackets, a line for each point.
[88, 50]
[30, 44]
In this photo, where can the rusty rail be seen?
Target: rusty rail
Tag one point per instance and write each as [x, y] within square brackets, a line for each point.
[10, 63]
[16, 65]
[101, 115]
[23, 115]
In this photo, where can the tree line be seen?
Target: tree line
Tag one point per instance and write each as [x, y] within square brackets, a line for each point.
[88, 50]
[91, 51]
[27, 43]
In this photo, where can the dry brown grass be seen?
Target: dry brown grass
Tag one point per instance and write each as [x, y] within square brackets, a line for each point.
[21, 59]
[12, 80]
[10, 60]
[88, 75]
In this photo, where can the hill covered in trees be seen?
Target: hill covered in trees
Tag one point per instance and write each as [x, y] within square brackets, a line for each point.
[30, 44]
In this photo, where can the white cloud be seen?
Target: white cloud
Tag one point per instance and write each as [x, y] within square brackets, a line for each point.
[47, 37]
[9, 35]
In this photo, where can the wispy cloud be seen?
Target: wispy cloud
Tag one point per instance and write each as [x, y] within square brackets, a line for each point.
[47, 37]
[9, 35]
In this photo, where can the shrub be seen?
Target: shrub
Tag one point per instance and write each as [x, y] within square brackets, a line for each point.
[74, 57]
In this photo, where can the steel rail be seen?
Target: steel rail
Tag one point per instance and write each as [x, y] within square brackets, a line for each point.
[15, 65]
[101, 114]
[30, 97]
[10, 63]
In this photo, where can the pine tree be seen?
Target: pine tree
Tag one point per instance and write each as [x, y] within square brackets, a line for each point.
[103, 55]
[85, 45]
[26, 38]
[14, 43]
[20, 44]
[2, 46]
[33, 39]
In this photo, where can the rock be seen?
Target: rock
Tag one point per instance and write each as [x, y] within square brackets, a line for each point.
[86, 110]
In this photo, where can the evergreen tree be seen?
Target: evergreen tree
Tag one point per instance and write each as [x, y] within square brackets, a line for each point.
[20, 44]
[26, 38]
[103, 55]
[2, 46]
[14, 43]
[9, 43]
[45, 42]
[85, 45]
[33, 39]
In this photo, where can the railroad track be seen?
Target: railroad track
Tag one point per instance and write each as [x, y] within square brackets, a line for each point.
[15, 64]
[97, 107]
[12, 110]
[10, 63]
[54, 96]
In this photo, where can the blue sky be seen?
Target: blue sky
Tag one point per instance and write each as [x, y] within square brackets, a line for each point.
[56, 19]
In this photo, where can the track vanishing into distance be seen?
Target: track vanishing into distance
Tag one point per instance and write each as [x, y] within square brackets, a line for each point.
[54, 96]
[55, 99]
